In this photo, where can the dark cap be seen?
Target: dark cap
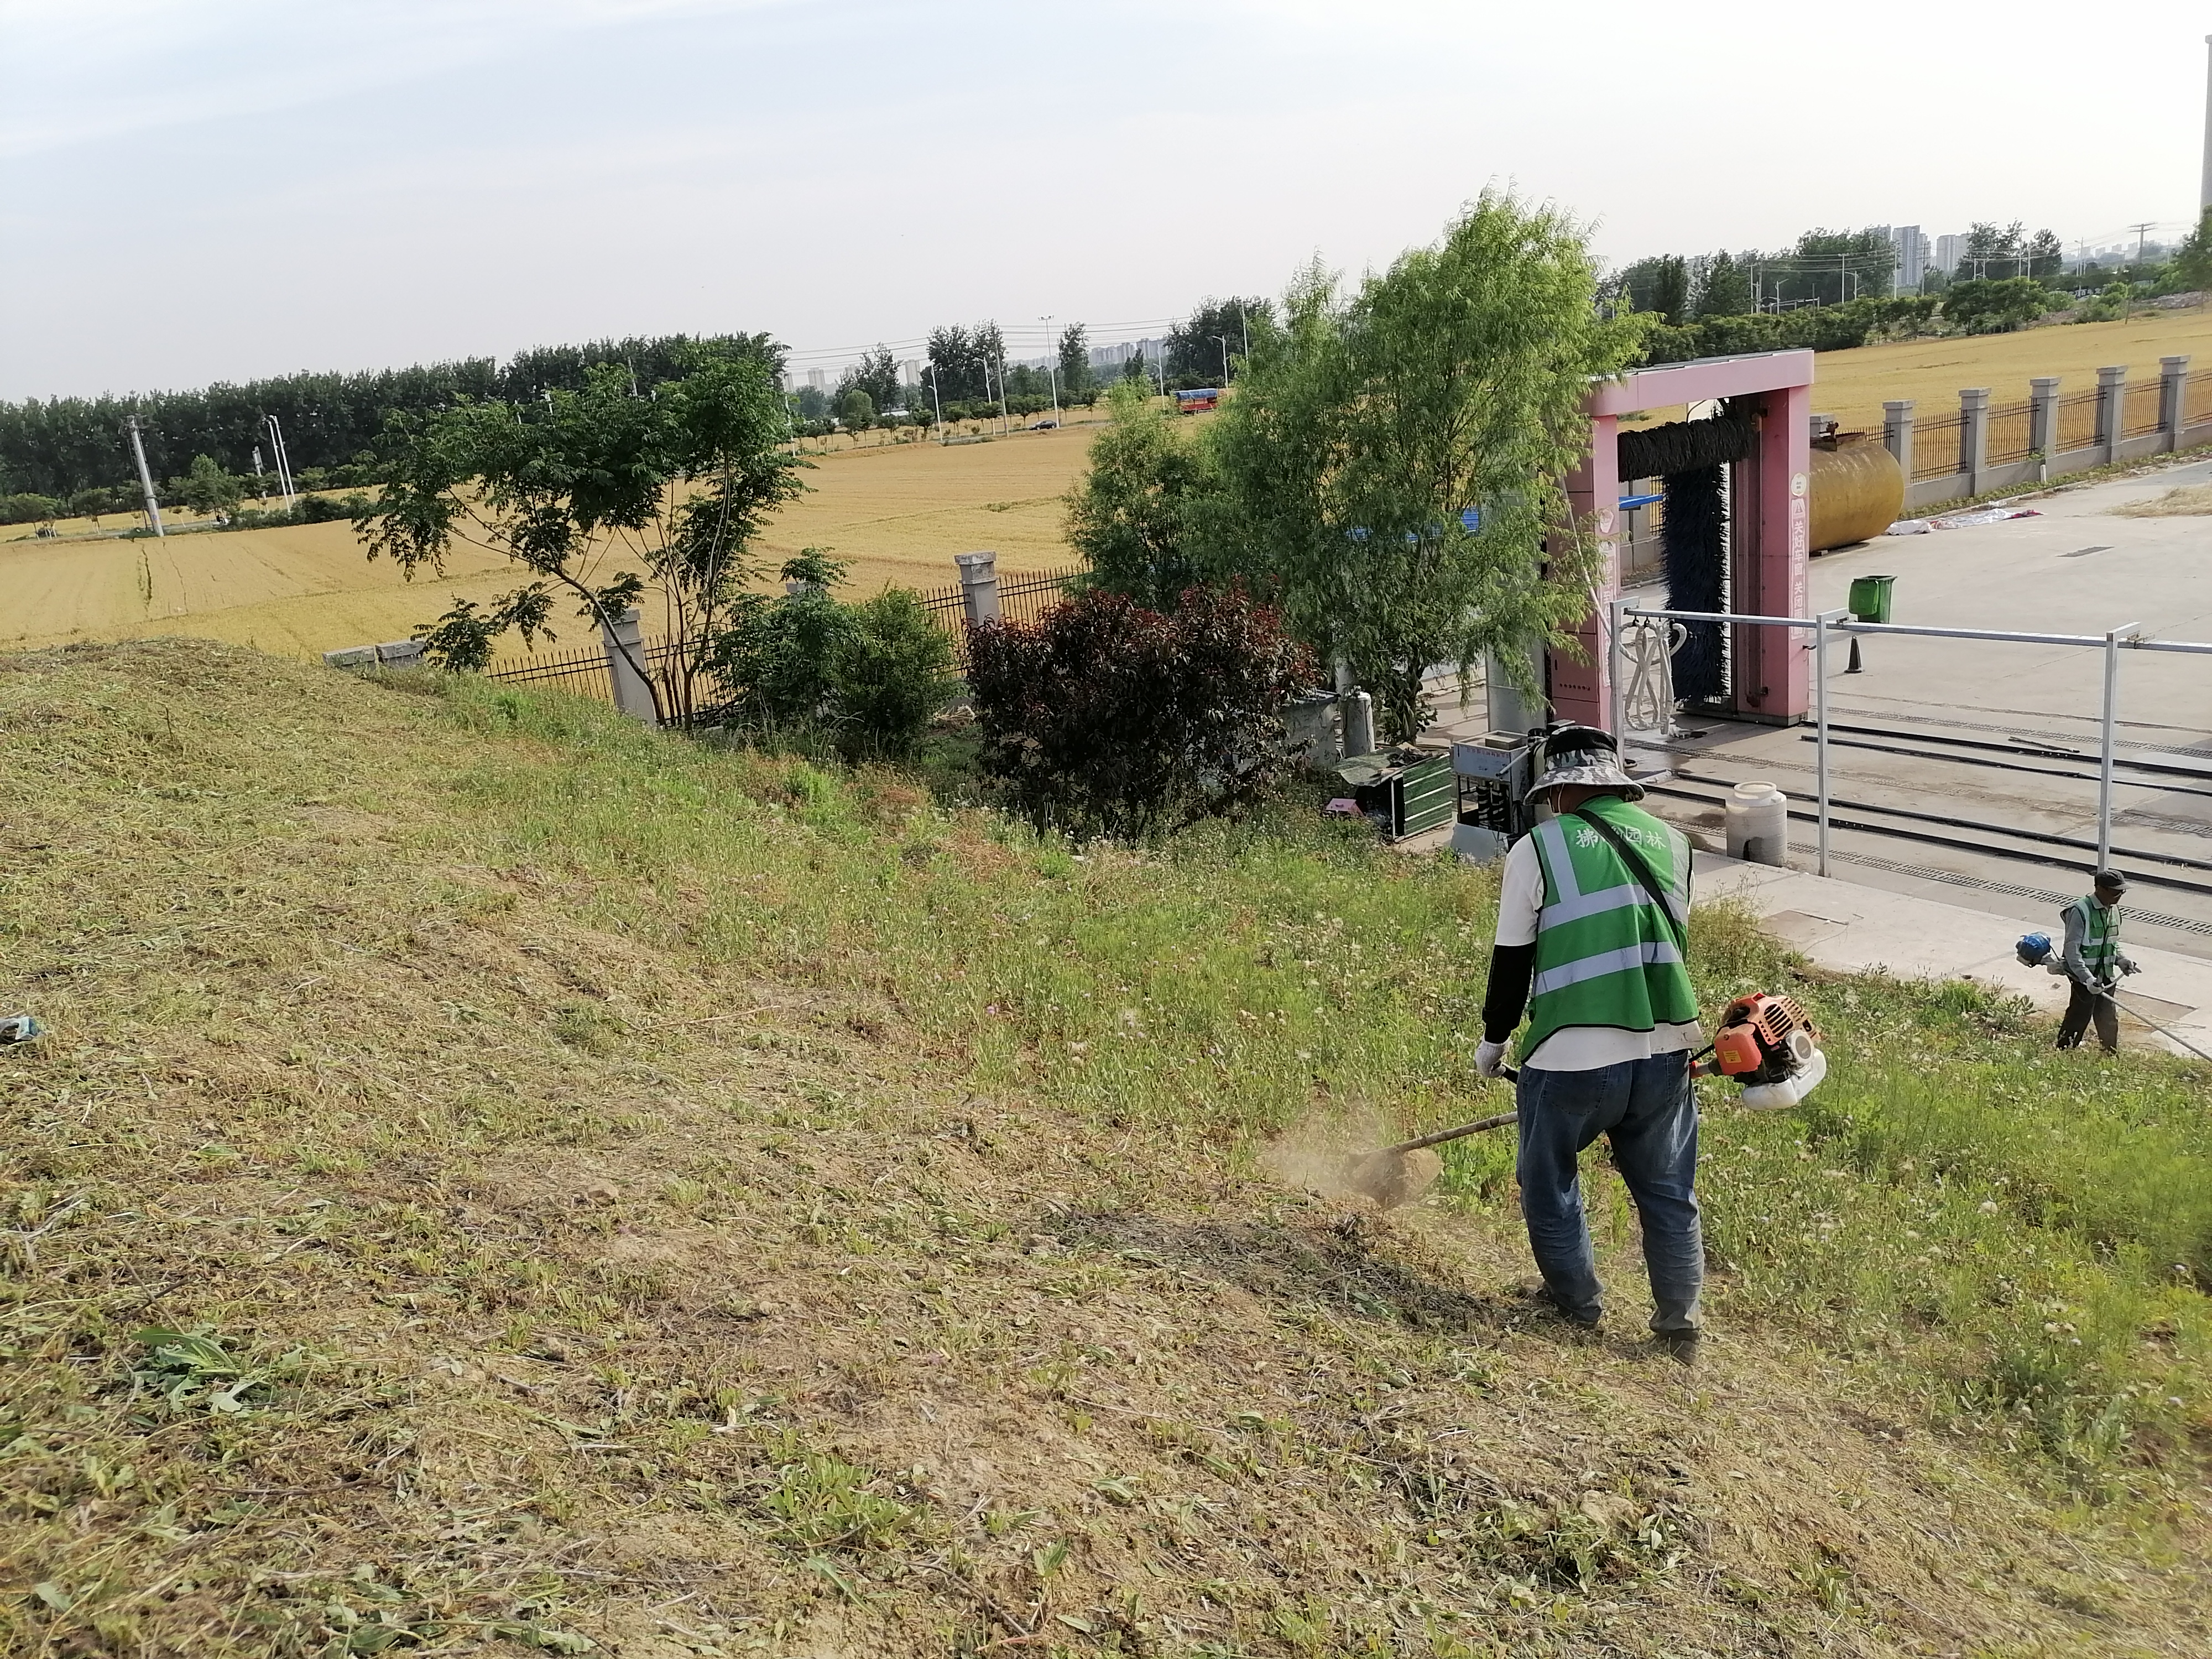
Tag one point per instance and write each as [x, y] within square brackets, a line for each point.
[2112, 879]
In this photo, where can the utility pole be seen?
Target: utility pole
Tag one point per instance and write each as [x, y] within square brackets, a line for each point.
[146, 480]
[283, 458]
[936, 403]
[2204, 190]
[1224, 338]
[1052, 368]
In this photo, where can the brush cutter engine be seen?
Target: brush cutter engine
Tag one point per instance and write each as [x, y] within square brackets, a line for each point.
[1768, 1044]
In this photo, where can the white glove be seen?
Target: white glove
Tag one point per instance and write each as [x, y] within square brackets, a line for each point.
[1490, 1060]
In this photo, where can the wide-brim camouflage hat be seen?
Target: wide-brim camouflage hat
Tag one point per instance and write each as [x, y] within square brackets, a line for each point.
[1585, 756]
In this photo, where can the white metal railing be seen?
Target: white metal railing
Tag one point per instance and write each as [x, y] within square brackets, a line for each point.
[2112, 642]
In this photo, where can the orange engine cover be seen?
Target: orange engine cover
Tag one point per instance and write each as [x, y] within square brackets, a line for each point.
[1754, 1027]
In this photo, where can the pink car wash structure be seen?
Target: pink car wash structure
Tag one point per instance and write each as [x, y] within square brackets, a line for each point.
[1764, 438]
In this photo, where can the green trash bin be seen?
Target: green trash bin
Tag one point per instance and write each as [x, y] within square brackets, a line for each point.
[1870, 597]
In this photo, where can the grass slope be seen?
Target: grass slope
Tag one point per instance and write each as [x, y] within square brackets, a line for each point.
[503, 1180]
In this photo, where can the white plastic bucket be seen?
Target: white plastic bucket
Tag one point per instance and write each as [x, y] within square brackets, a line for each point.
[1758, 815]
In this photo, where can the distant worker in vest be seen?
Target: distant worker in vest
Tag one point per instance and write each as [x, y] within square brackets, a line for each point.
[1593, 921]
[2093, 963]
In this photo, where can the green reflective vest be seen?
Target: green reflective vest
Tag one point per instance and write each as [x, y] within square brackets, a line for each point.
[2101, 937]
[1605, 955]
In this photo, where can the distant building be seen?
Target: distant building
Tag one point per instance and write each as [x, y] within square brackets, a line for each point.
[818, 378]
[1113, 356]
[1950, 250]
[1911, 256]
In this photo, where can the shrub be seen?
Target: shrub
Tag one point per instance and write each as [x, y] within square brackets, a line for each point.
[772, 662]
[1102, 716]
[890, 671]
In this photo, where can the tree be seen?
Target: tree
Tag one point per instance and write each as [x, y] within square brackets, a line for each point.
[1994, 305]
[876, 374]
[677, 485]
[813, 403]
[1391, 466]
[1131, 513]
[2045, 254]
[1724, 290]
[1074, 360]
[208, 489]
[2192, 261]
[1104, 717]
[1670, 289]
[856, 411]
[1988, 245]
[1195, 352]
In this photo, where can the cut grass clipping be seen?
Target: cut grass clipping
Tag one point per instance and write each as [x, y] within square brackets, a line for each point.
[2190, 500]
[502, 1180]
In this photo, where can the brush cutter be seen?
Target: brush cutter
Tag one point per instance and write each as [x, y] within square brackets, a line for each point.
[1769, 1045]
[1765, 1043]
[2035, 951]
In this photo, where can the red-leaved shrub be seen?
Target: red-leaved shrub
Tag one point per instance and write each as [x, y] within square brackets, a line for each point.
[1102, 717]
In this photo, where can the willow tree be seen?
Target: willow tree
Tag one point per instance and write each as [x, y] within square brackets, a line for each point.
[1392, 465]
[610, 497]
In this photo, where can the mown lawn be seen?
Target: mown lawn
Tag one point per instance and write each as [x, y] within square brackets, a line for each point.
[500, 1177]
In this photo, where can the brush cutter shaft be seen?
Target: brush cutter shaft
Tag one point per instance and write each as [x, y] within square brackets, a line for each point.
[2137, 1013]
[1443, 1135]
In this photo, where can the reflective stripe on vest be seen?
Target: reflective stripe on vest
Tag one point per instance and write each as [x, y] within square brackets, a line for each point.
[2100, 936]
[1605, 955]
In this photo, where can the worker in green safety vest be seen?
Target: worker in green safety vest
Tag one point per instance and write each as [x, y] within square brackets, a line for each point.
[1593, 919]
[2093, 963]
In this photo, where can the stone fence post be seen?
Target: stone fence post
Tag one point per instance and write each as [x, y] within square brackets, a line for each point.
[632, 694]
[1973, 435]
[1897, 433]
[2043, 418]
[2173, 398]
[2111, 409]
[979, 586]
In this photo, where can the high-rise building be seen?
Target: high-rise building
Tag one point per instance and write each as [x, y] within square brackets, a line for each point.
[1113, 356]
[1948, 252]
[1911, 256]
[817, 379]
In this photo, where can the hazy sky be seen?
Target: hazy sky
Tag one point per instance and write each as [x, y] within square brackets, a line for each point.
[193, 190]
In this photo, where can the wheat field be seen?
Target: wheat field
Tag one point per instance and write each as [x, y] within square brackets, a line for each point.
[897, 512]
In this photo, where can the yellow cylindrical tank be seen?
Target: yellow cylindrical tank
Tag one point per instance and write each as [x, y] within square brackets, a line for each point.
[1857, 490]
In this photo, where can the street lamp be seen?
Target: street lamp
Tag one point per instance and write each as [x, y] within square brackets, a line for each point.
[936, 401]
[1224, 338]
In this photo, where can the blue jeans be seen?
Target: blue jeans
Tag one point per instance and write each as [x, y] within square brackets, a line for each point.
[1646, 1109]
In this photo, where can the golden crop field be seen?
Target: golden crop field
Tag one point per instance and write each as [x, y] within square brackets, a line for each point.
[898, 512]
[1852, 385]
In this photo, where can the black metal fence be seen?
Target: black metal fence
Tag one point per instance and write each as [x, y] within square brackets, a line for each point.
[581, 672]
[1021, 599]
